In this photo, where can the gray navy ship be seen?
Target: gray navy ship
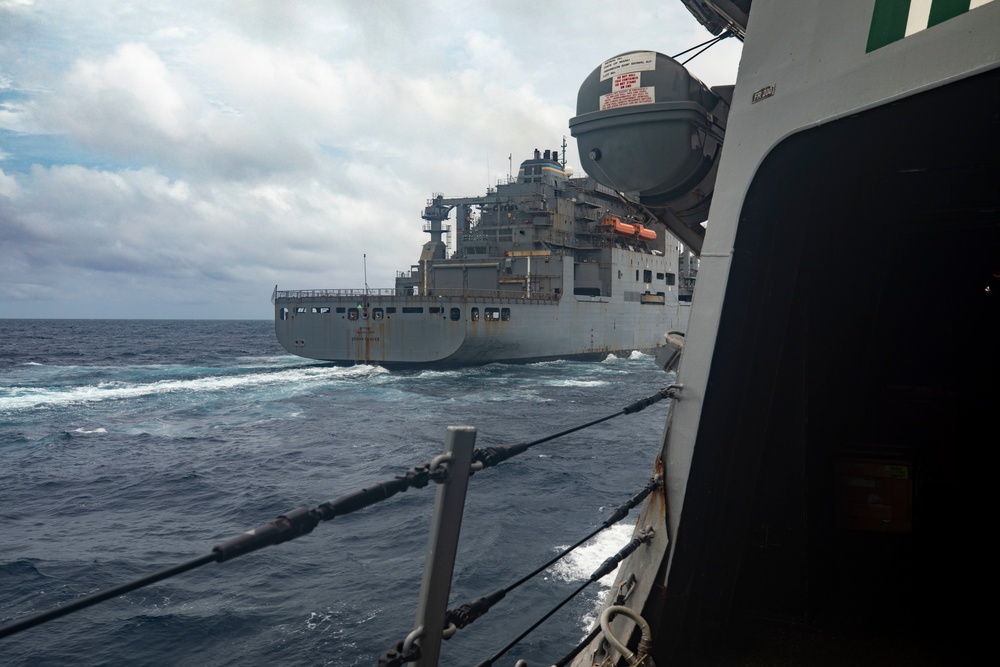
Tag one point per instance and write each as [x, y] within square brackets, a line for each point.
[545, 266]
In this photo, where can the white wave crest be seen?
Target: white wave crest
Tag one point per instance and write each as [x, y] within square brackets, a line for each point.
[577, 383]
[88, 432]
[21, 398]
[581, 563]
[433, 375]
[636, 355]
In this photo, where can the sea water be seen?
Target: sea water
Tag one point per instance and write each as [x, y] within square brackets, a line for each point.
[127, 447]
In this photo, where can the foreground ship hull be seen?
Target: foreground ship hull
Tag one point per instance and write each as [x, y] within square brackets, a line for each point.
[816, 508]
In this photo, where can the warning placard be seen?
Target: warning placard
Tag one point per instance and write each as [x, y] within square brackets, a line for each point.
[628, 62]
[625, 81]
[628, 97]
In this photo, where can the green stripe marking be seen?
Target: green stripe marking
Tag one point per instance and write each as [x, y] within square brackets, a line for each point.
[888, 23]
[942, 10]
[889, 18]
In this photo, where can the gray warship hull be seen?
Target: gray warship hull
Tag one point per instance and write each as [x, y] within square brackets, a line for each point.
[574, 327]
[545, 267]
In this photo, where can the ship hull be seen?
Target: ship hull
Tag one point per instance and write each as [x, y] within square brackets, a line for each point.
[400, 331]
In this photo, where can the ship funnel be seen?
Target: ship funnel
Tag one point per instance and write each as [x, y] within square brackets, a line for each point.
[644, 125]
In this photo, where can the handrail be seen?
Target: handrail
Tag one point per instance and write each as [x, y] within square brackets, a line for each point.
[377, 294]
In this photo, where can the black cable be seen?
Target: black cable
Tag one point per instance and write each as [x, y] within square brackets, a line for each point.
[617, 515]
[607, 567]
[468, 613]
[492, 456]
[499, 654]
[712, 43]
[37, 619]
[698, 46]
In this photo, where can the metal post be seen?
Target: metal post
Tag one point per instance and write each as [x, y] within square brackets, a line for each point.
[445, 528]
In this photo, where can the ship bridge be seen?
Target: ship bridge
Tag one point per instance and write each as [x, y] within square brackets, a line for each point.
[544, 168]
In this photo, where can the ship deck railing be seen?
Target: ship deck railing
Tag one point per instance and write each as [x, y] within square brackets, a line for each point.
[394, 293]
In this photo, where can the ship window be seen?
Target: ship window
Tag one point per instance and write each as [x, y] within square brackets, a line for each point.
[390, 309]
[341, 309]
[456, 314]
[412, 309]
[301, 309]
[505, 314]
[435, 309]
[352, 314]
[637, 274]
[670, 279]
[492, 314]
[475, 314]
[321, 309]
[659, 276]
[377, 313]
[647, 276]
[284, 313]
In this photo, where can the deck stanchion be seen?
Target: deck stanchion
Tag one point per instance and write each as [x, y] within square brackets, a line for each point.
[445, 528]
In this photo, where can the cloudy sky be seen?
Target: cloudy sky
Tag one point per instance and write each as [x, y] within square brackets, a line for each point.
[180, 158]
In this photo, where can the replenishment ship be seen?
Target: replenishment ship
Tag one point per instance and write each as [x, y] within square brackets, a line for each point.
[544, 266]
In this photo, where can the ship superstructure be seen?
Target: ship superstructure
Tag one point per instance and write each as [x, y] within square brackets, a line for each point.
[544, 266]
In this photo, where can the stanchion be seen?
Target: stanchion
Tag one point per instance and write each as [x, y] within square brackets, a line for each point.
[445, 528]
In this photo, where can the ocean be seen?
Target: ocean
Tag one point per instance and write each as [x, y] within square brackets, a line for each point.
[130, 446]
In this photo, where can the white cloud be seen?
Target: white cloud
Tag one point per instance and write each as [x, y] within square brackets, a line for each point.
[8, 186]
[199, 153]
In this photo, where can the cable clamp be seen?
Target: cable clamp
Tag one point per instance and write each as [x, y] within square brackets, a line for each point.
[438, 467]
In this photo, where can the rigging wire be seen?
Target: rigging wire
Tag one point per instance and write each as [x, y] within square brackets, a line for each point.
[466, 614]
[606, 568]
[302, 521]
[708, 41]
[709, 44]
